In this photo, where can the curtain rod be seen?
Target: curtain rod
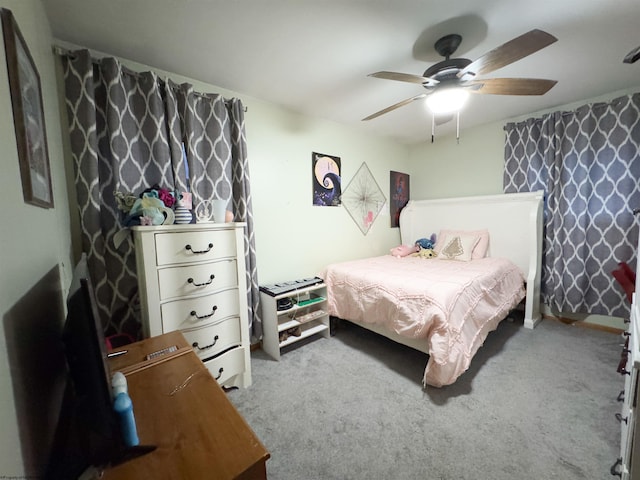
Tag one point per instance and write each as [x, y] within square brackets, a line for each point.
[564, 113]
[95, 59]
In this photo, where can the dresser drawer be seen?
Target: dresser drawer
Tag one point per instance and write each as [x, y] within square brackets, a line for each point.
[199, 311]
[189, 247]
[213, 339]
[197, 279]
[227, 365]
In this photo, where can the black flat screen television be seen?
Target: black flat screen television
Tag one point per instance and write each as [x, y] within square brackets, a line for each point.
[88, 432]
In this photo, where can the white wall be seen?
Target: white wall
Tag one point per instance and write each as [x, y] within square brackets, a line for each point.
[33, 240]
[446, 168]
[295, 239]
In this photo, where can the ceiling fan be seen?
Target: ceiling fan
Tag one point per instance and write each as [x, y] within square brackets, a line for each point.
[460, 74]
[633, 56]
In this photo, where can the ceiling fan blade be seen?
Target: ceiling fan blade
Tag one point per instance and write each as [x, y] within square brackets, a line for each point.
[511, 86]
[404, 77]
[632, 56]
[509, 52]
[394, 106]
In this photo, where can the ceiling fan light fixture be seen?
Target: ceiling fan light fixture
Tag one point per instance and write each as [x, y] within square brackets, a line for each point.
[447, 100]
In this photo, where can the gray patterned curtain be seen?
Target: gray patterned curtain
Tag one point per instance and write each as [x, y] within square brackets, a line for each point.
[127, 131]
[588, 163]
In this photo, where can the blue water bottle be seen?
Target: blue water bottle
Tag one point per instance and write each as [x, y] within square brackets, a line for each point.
[123, 405]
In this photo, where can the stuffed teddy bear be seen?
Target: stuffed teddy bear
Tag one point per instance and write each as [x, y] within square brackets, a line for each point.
[425, 253]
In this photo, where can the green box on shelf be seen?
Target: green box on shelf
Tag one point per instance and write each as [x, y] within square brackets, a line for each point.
[310, 301]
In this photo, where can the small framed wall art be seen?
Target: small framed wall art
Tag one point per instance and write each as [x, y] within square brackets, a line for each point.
[28, 115]
[399, 194]
[325, 173]
[363, 198]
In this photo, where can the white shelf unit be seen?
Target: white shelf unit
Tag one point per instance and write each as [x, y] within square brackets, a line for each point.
[312, 318]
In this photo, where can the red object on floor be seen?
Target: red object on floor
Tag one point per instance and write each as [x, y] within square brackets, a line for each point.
[626, 278]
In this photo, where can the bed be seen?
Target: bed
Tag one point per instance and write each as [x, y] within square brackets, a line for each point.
[447, 307]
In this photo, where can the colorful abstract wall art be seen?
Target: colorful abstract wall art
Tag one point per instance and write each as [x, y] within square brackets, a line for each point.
[399, 195]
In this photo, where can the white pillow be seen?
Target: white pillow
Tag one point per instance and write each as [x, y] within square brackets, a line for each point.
[481, 248]
[458, 247]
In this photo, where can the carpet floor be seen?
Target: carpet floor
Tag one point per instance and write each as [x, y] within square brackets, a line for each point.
[535, 404]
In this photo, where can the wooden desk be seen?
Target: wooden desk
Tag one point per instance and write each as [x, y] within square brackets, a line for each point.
[181, 409]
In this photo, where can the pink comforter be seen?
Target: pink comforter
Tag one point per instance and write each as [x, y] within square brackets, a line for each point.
[452, 305]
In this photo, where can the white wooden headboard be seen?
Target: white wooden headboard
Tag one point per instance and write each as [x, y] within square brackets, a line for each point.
[514, 222]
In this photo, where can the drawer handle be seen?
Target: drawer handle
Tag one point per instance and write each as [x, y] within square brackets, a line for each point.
[189, 247]
[621, 396]
[615, 468]
[200, 317]
[620, 418]
[624, 358]
[215, 340]
[219, 373]
[211, 277]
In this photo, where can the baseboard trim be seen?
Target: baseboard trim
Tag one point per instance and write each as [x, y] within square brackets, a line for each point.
[580, 323]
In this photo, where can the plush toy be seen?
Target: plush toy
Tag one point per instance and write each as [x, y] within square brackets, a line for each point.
[425, 253]
[427, 243]
[404, 250]
[149, 210]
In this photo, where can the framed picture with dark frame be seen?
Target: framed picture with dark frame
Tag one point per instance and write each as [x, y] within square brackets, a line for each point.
[399, 194]
[28, 115]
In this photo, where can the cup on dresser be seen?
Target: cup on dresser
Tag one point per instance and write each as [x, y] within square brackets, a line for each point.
[219, 210]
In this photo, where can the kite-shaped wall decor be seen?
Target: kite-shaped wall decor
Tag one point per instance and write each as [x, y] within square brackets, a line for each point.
[363, 198]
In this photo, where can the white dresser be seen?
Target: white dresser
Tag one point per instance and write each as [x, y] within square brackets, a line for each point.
[628, 465]
[192, 279]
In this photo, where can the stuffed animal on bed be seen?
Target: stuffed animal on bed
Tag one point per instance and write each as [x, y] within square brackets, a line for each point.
[420, 244]
[425, 253]
[427, 243]
[404, 250]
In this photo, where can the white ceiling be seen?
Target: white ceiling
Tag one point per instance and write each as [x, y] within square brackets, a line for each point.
[313, 56]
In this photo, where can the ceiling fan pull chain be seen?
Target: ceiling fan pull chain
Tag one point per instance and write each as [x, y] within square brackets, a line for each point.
[458, 127]
[433, 126]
